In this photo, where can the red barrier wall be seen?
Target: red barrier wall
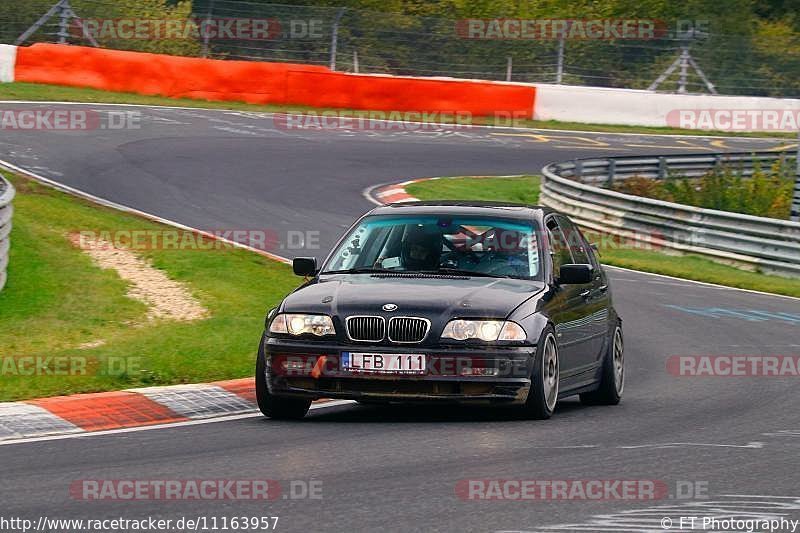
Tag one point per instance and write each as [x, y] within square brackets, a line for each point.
[262, 83]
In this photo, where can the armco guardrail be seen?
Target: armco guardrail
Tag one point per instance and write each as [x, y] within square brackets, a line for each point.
[757, 243]
[6, 210]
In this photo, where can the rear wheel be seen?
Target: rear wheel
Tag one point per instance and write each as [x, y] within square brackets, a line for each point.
[276, 406]
[612, 382]
[543, 396]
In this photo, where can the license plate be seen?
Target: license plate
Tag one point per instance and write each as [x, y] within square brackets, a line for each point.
[383, 363]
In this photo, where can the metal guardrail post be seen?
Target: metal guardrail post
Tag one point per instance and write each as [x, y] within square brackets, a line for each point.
[662, 168]
[6, 211]
[335, 38]
[578, 170]
[612, 171]
[206, 34]
[560, 62]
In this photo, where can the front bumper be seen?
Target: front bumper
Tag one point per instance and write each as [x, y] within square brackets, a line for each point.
[443, 381]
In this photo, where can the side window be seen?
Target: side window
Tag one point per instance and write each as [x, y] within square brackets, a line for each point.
[558, 245]
[591, 252]
[575, 241]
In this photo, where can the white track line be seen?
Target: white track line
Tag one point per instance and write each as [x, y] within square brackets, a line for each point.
[124, 208]
[481, 126]
[713, 285]
[228, 418]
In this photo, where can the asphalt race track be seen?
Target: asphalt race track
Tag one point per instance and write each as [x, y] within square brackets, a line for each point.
[734, 440]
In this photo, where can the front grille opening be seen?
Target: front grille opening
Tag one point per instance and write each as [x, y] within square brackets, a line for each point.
[477, 388]
[389, 386]
[366, 328]
[380, 386]
[408, 329]
[302, 383]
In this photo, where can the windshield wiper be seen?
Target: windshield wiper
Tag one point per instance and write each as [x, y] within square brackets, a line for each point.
[358, 270]
[440, 271]
[462, 272]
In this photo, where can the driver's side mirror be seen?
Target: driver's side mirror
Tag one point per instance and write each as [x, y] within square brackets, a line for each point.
[571, 274]
[304, 266]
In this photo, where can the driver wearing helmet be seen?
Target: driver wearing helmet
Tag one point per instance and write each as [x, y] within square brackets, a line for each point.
[421, 250]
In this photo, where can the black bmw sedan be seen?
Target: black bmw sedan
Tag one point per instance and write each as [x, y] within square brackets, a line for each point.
[467, 302]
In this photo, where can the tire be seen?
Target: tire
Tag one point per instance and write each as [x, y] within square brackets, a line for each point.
[545, 379]
[275, 406]
[612, 381]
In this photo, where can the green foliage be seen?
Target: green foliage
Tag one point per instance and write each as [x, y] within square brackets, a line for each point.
[767, 193]
[747, 47]
[157, 10]
[17, 17]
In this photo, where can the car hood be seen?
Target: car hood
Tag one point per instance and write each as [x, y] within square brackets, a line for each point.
[436, 298]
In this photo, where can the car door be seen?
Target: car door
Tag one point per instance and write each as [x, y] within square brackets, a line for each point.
[595, 294]
[570, 311]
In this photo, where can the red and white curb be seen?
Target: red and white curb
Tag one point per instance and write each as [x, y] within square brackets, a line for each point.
[394, 193]
[132, 408]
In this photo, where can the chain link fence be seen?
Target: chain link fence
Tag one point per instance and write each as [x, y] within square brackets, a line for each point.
[391, 43]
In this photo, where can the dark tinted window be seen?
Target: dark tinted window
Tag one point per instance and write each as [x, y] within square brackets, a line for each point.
[575, 240]
[429, 243]
[559, 246]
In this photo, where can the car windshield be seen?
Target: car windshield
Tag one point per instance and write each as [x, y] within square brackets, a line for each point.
[473, 245]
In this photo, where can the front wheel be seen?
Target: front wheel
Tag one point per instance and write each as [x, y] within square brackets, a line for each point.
[276, 406]
[612, 382]
[545, 380]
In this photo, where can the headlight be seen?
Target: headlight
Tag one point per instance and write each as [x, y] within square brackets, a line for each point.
[270, 314]
[485, 330]
[296, 324]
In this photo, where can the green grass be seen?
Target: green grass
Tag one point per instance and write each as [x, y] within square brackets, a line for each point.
[523, 189]
[56, 299]
[699, 268]
[44, 92]
[526, 189]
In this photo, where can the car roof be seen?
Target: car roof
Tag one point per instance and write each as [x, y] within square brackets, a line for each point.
[464, 207]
